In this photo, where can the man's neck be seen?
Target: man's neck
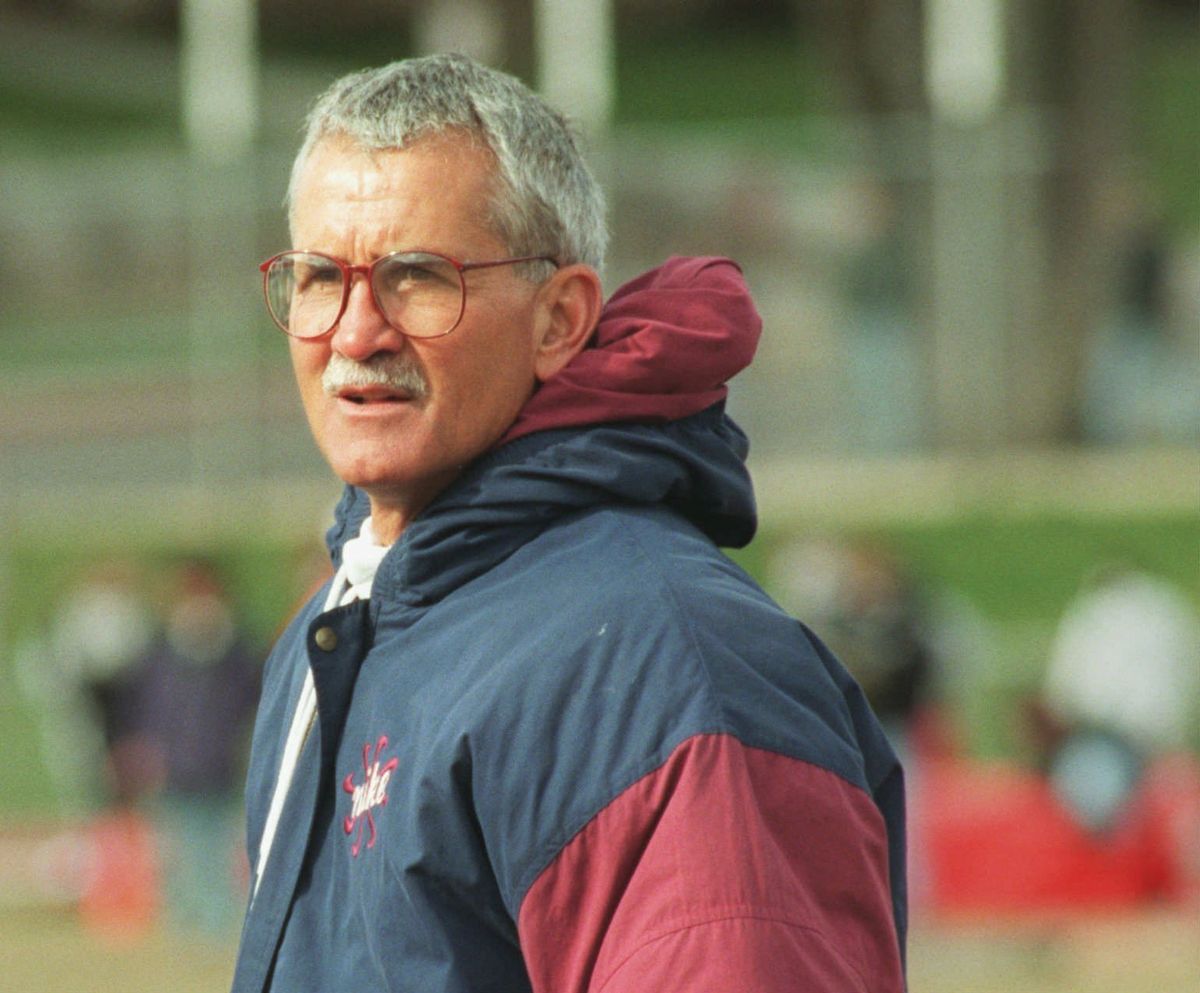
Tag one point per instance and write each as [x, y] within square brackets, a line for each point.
[391, 513]
[388, 523]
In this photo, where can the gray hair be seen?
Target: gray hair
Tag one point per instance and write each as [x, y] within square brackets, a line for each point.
[546, 201]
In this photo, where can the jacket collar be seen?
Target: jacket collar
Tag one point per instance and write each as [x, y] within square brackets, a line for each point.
[694, 466]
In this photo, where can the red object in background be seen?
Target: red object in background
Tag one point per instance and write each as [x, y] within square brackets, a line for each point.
[995, 838]
[120, 898]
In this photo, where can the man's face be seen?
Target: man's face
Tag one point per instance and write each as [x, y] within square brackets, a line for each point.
[404, 445]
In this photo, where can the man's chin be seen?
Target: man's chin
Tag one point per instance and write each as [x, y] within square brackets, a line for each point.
[395, 484]
[376, 478]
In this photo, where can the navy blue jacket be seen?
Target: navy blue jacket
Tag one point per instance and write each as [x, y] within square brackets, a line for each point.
[568, 745]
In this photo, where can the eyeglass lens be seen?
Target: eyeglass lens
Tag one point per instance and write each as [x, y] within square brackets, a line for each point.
[418, 293]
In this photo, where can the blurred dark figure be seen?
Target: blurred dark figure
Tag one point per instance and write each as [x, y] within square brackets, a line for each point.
[864, 605]
[1120, 690]
[197, 688]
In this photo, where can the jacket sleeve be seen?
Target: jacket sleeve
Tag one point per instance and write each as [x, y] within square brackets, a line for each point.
[728, 867]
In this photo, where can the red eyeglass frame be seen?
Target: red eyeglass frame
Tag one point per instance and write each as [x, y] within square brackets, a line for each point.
[367, 271]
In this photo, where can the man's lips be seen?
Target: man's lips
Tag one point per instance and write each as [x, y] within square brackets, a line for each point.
[373, 395]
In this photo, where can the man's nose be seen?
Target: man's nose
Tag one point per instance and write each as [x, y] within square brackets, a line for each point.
[362, 330]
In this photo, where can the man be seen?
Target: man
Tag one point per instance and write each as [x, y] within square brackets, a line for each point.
[199, 671]
[538, 733]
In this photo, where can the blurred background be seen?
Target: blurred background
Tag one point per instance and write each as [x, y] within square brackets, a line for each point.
[973, 230]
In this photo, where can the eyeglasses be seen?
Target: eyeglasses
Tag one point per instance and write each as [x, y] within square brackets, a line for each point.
[420, 294]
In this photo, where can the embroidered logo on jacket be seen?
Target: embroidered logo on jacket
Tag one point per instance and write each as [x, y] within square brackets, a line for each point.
[367, 795]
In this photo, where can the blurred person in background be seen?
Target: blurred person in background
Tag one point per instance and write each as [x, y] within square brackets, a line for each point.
[537, 733]
[1122, 687]
[83, 679]
[870, 611]
[195, 691]
[98, 639]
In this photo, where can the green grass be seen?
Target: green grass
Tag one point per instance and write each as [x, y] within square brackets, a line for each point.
[1024, 569]
[264, 577]
[1019, 571]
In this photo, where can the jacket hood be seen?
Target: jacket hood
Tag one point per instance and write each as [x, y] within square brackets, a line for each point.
[637, 419]
[665, 346]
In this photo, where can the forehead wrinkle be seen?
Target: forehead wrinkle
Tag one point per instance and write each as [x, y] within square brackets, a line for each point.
[342, 179]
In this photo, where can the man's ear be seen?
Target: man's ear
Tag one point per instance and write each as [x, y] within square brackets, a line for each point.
[569, 307]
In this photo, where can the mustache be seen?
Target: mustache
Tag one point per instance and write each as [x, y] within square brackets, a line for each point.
[389, 371]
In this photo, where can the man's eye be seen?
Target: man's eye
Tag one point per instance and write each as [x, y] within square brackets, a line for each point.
[317, 278]
[414, 273]
[400, 275]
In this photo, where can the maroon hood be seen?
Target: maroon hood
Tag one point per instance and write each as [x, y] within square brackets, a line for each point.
[664, 348]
